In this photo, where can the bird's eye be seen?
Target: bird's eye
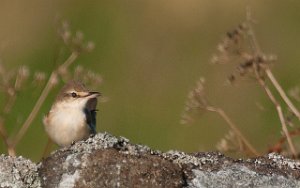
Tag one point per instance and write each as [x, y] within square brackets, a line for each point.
[74, 94]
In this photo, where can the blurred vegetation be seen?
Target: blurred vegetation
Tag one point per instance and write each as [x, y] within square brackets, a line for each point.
[150, 54]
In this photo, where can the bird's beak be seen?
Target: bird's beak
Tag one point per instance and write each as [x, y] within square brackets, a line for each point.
[93, 94]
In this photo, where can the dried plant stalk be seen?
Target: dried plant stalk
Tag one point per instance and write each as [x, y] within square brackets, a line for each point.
[51, 82]
[234, 128]
[197, 102]
[257, 67]
[282, 93]
[279, 111]
[278, 147]
[10, 150]
[241, 45]
[10, 84]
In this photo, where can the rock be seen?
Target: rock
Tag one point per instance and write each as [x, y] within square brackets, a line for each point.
[106, 161]
[18, 172]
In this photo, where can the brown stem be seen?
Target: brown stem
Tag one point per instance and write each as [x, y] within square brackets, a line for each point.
[51, 82]
[234, 129]
[278, 146]
[47, 148]
[10, 150]
[257, 52]
[279, 110]
[282, 93]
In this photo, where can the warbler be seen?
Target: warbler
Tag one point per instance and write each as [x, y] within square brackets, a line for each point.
[72, 116]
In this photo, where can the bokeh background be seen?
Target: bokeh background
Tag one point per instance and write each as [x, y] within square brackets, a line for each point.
[150, 54]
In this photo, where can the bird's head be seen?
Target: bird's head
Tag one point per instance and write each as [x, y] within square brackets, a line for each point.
[74, 93]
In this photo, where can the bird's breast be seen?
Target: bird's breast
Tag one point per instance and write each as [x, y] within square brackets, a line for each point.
[66, 125]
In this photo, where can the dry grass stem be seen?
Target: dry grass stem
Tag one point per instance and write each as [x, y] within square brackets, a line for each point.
[278, 147]
[234, 128]
[257, 68]
[241, 46]
[282, 93]
[285, 130]
[279, 111]
[197, 102]
[51, 82]
[10, 150]
[11, 82]
[74, 55]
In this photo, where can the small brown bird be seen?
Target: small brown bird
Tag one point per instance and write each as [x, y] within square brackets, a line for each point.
[73, 115]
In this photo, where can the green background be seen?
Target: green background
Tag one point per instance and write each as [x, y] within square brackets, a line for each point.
[150, 55]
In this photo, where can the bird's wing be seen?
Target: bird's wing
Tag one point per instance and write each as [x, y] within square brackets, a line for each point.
[90, 112]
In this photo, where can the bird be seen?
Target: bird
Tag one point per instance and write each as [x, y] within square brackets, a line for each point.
[72, 116]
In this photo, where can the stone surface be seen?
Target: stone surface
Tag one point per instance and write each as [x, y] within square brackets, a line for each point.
[18, 172]
[106, 161]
